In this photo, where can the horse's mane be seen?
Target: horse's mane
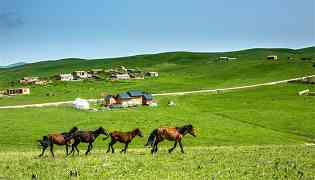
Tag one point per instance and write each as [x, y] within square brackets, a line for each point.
[184, 128]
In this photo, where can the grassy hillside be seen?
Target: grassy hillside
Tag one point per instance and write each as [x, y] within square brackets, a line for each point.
[48, 68]
[253, 134]
[258, 133]
[269, 115]
[178, 71]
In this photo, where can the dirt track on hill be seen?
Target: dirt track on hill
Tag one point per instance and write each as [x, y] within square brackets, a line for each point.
[167, 94]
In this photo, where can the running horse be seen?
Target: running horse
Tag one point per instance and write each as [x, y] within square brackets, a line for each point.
[58, 139]
[172, 134]
[123, 137]
[87, 137]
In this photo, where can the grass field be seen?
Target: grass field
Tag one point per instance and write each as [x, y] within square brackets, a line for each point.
[258, 133]
[268, 115]
[232, 162]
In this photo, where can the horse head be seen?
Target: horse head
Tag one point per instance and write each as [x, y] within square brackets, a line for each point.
[74, 129]
[190, 129]
[138, 132]
[101, 130]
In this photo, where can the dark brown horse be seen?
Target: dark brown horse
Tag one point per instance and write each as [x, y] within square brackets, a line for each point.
[87, 137]
[123, 137]
[172, 134]
[58, 139]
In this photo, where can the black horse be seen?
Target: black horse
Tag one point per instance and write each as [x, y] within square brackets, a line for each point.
[87, 137]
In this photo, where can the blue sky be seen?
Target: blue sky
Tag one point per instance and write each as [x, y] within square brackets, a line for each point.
[33, 30]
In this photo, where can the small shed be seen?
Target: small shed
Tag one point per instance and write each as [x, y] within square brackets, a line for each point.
[17, 91]
[272, 57]
[152, 74]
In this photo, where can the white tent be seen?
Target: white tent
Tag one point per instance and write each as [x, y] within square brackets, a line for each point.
[81, 104]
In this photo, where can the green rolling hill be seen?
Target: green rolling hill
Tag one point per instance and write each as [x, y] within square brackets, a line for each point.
[179, 71]
[264, 132]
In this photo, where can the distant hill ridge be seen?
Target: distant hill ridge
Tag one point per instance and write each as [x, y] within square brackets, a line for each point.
[14, 65]
[52, 67]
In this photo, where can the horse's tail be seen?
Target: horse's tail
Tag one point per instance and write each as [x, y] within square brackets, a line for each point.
[152, 138]
[44, 141]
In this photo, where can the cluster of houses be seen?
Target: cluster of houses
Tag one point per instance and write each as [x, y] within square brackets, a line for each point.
[33, 80]
[121, 73]
[76, 75]
[129, 98]
[225, 58]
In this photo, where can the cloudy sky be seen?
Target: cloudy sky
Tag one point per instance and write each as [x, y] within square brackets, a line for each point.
[34, 30]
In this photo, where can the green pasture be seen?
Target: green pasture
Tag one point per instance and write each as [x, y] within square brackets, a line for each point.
[226, 162]
[267, 115]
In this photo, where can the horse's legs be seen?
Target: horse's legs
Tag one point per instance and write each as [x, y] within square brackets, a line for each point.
[175, 144]
[155, 147]
[74, 146]
[126, 147]
[43, 150]
[51, 149]
[89, 148]
[110, 146]
[67, 149]
[181, 146]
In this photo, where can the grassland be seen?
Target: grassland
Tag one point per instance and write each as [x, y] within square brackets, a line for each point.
[232, 162]
[269, 115]
[259, 133]
[179, 71]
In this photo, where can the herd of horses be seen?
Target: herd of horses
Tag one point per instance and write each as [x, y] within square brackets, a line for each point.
[75, 136]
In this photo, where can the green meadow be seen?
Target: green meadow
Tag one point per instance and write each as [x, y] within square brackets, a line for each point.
[258, 133]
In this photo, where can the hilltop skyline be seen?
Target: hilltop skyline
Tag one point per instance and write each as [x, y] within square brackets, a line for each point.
[37, 30]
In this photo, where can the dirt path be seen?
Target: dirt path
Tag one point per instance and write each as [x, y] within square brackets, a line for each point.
[166, 94]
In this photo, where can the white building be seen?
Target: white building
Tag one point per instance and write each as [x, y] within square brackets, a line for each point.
[66, 77]
[81, 75]
[120, 77]
[272, 57]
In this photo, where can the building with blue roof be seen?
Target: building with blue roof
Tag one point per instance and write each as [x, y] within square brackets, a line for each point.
[129, 98]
